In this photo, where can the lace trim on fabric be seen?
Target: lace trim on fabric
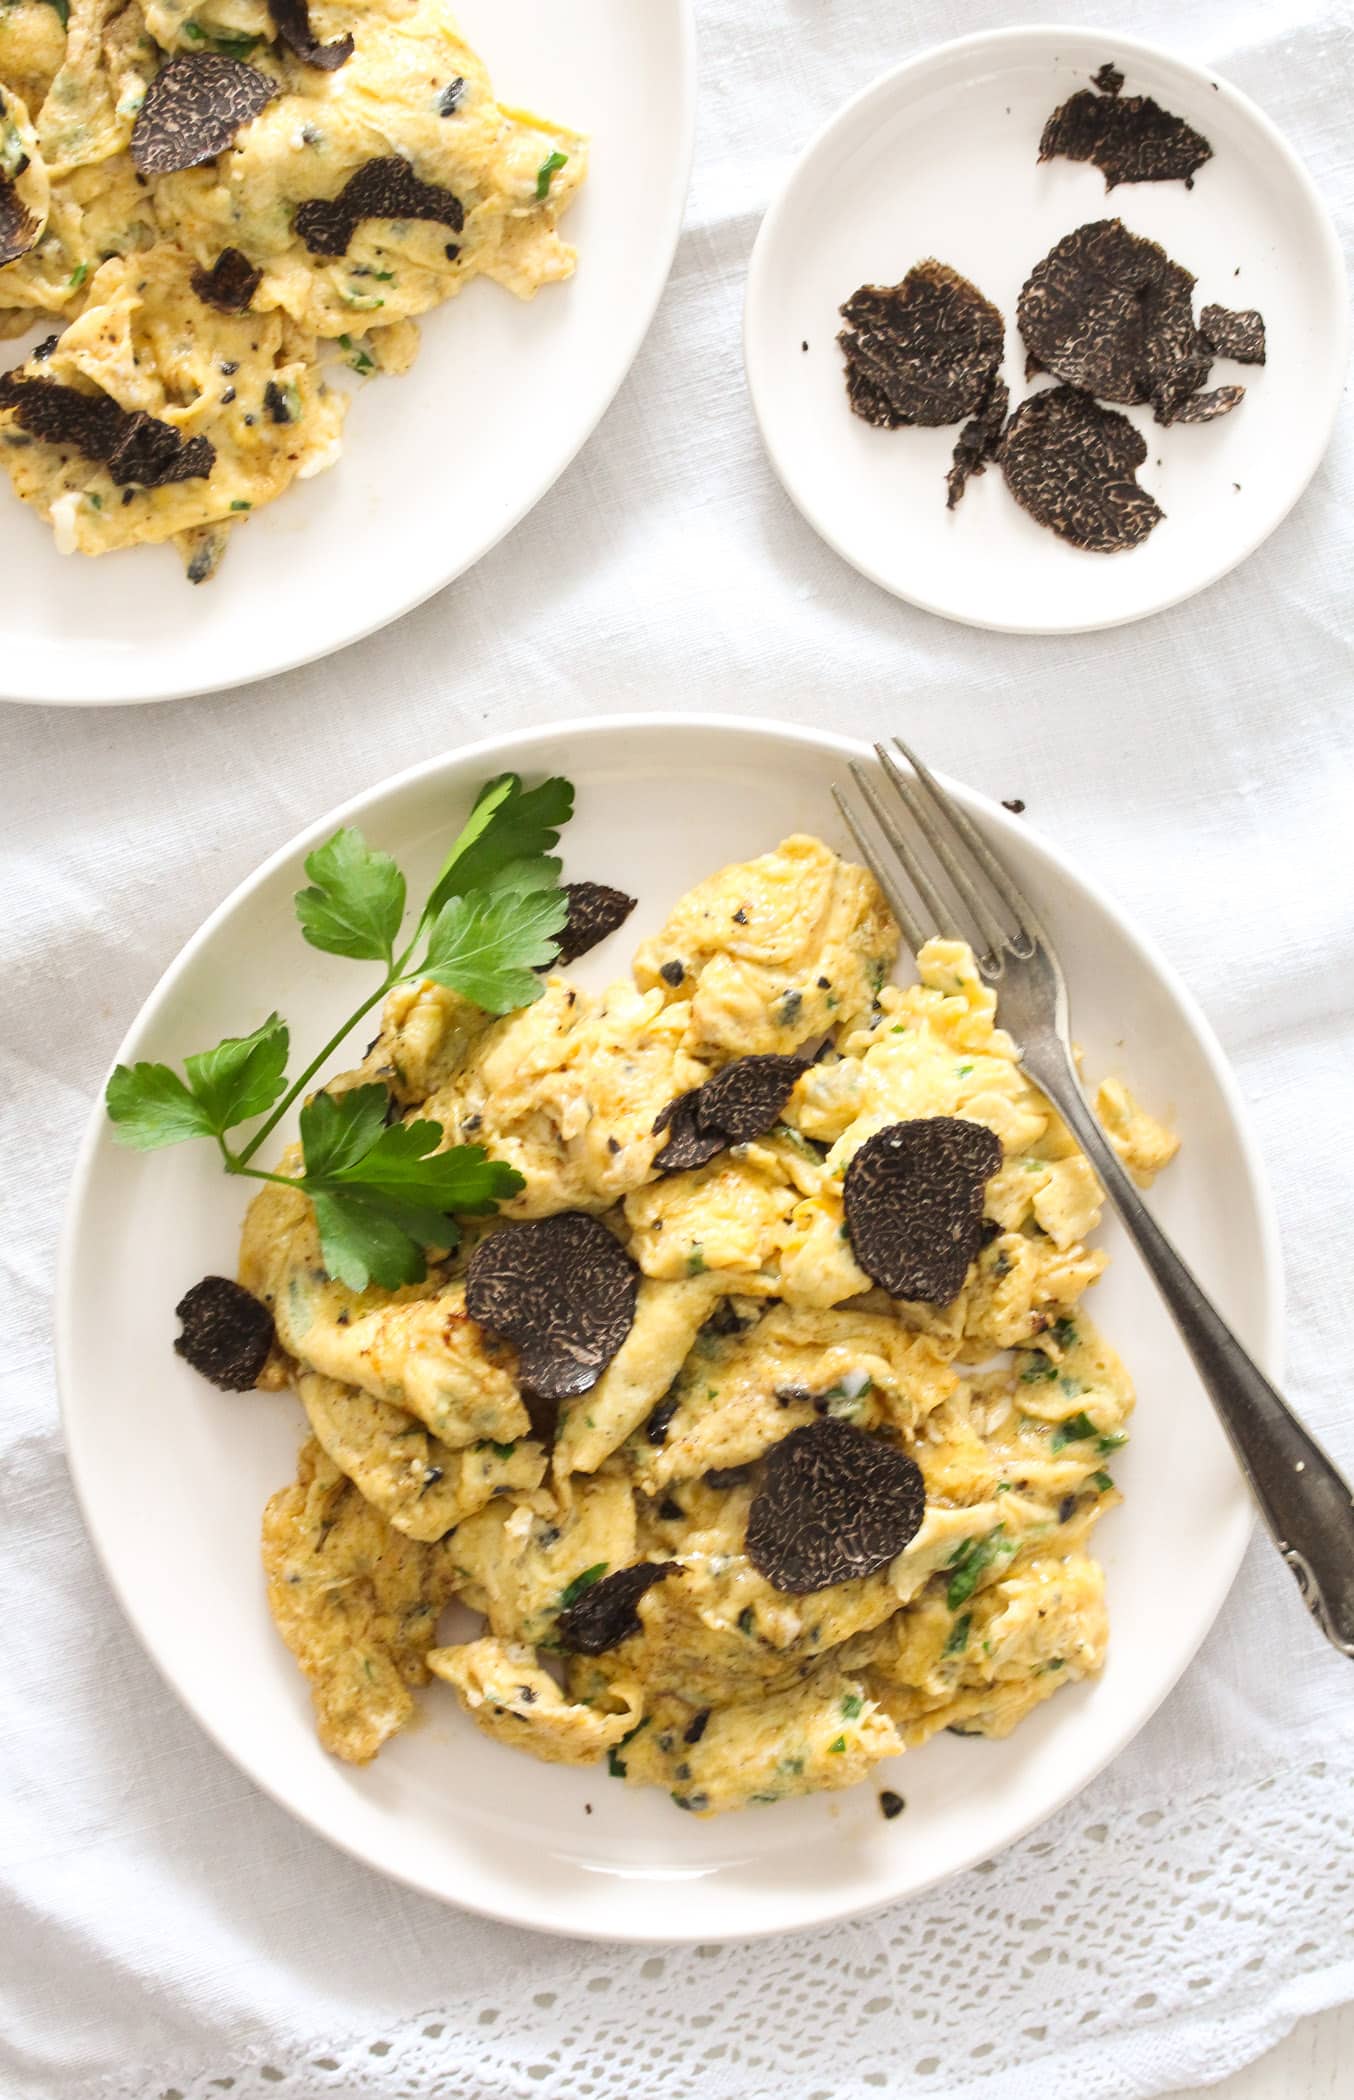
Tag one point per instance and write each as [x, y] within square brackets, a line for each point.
[1176, 1928]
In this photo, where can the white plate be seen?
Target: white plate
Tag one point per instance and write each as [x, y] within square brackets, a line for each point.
[940, 158]
[436, 466]
[172, 1475]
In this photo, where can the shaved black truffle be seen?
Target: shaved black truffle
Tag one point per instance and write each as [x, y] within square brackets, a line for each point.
[293, 26]
[1108, 78]
[595, 910]
[748, 1096]
[1203, 408]
[688, 1145]
[1130, 138]
[921, 352]
[977, 442]
[657, 1426]
[605, 1614]
[152, 454]
[1234, 334]
[230, 283]
[193, 110]
[1071, 464]
[18, 228]
[835, 1504]
[672, 974]
[563, 1289]
[63, 415]
[227, 1333]
[1111, 313]
[134, 447]
[740, 1103]
[381, 189]
[913, 1195]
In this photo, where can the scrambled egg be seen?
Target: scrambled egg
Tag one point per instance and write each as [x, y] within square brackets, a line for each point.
[115, 257]
[426, 1476]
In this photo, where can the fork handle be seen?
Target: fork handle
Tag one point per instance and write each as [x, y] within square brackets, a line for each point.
[1305, 1502]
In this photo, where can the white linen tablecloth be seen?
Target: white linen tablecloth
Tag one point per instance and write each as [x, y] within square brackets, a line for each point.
[164, 1930]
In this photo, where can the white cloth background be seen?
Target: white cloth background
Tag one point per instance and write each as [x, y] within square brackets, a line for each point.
[164, 1930]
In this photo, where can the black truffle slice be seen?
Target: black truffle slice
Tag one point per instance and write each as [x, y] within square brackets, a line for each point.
[605, 1614]
[1111, 313]
[1071, 464]
[835, 1504]
[134, 447]
[688, 1145]
[563, 1289]
[1108, 78]
[152, 454]
[1203, 408]
[921, 352]
[1234, 334]
[62, 415]
[913, 1195]
[293, 26]
[18, 228]
[381, 189]
[230, 283]
[193, 110]
[747, 1097]
[227, 1333]
[737, 1105]
[1130, 138]
[595, 910]
[977, 442]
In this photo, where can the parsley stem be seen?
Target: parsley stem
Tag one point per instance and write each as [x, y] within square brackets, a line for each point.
[335, 1042]
[286, 1181]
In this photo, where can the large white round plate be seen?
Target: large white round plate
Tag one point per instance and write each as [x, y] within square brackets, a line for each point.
[172, 1475]
[940, 159]
[436, 466]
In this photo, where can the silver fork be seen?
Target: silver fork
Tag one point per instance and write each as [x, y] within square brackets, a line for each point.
[1306, 1504]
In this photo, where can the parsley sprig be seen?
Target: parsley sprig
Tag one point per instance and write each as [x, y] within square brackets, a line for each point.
[383, 1193]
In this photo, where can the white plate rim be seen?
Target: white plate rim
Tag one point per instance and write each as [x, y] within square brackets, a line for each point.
[652, 276]
[501, 752]
[880, 90]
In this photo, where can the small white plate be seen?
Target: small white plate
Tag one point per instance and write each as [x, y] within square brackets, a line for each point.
[437, 466]
[172, 1476]
[940, 159]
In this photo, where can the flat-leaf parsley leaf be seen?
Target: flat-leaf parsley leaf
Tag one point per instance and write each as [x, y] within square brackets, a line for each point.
[383, 1192]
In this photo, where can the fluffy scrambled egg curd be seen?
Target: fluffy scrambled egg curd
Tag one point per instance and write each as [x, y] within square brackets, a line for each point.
[211, 201]
[795, 1524]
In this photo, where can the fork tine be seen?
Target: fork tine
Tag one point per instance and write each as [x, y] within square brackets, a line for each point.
[993, 933]
[942, 912]
[879, 868]
[1004, 885]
